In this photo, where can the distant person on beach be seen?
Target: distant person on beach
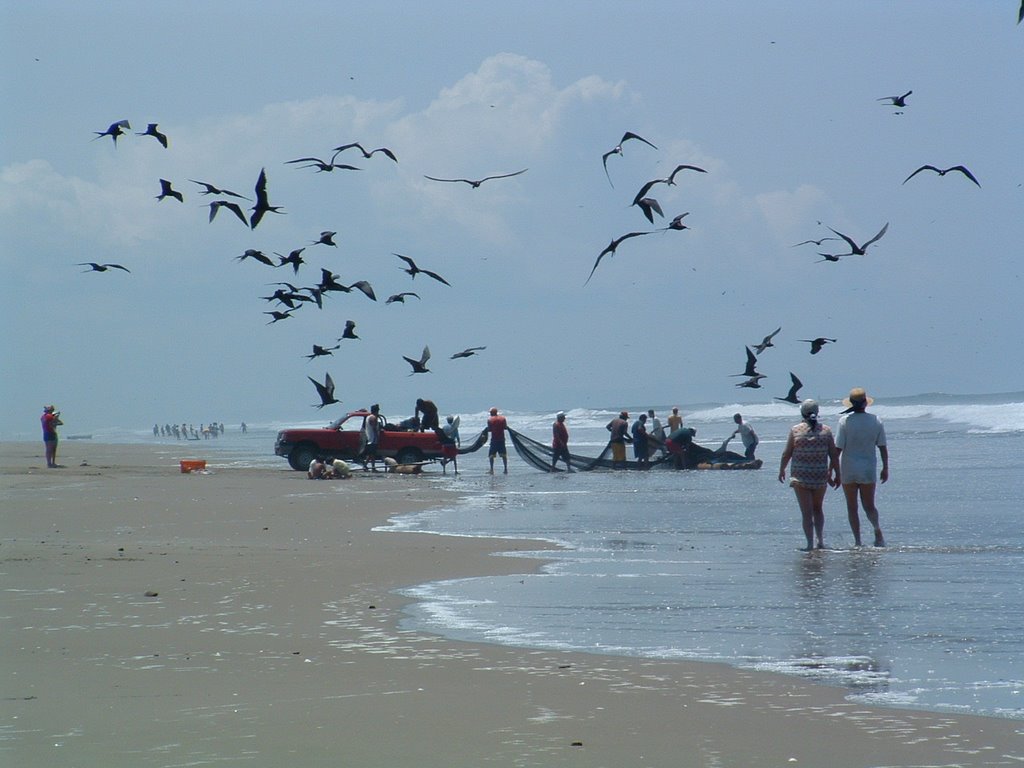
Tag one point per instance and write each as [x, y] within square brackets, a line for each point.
[812, 448]
[371, 429]
[619, 428]
[678, 444]
[50, 420]
[451, 428]
[747, 435]
[675, 421]
[317, 469]
[497, 425]
[857, 437]
[560, 442]
[339, 470]
[641, 442]
[244, 428]
[657, 431]
[429, 419]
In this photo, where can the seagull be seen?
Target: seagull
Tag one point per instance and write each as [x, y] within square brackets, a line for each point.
[257, 255]
[350, 330]
[319, 351]
[617, 150]
[325, 390]
[166, 191]
[294, 258]
[212, 190]
[767, 341]
[468, 352]
[610, 249]
[278, 316]
[400, 297]
[751, 365]
[115, 130]
[152, 131]
[859, 250]
[419, 366]
[100, 267]
[235, 208]
[478, 182]
[414, 270]
[816, 242]
[322, 165]
[817, 344]
[791, 397]
[754, 382]
[326, 238]
[896, 101]
[366, 155]
[943, 172]
[262, 205]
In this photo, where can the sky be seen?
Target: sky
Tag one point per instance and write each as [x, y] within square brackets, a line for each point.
[781, 103]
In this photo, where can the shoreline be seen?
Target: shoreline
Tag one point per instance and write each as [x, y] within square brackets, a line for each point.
[274, 636]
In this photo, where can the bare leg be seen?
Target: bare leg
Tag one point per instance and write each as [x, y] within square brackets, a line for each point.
[818, 511]
[867, 500]
[850, 492]
[805, 498]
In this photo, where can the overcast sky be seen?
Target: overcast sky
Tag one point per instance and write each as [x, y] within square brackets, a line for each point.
[778, 101]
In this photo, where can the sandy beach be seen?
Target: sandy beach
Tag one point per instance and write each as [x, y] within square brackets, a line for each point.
[247, 616]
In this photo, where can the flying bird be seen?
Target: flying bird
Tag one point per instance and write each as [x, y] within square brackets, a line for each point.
[326, 238]
[610, 249]
[94, 267]
[115, 130]
[767, 341]
[677, 222]
[259, 256]
[467, 352]
[235, 208]
[754, 382]
[1020, 13]
[209, 189]
[365, 288]
[478, 182]
[325, 390]
[152, 131]
[896, 101]
[278, 316]
[751, 366]
[617, 150]
[816, 242]
[329, 282]
[791, 396]
[831, 256]
[322, 166]
[649, 206]
[350, 330]
[262, 205]
[319, 351]
[414, 270]
[419, 366]
[294, 258]
[859, 250]
[817, 344]
[366, 155]
[166, 191]
[400, 297]
[943, 172]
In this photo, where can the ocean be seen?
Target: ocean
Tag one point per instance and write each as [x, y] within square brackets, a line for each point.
[705, 565]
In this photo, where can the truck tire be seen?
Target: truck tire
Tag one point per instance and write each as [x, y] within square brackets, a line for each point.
[301, 456]
[409, 455]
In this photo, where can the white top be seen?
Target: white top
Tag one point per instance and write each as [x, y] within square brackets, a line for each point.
[746, 434]
[857, 437]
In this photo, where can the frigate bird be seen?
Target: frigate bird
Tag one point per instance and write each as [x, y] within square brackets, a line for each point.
[115, 130]
[278, 316]
[817, 344]
[152, 131]
[677, 222]
[791, 396]
[167, 191]
[467, 352]
[766, 342]
[365, 288]
[325, 390]
[400, 297]
[617, 150]
[414, 270]
[94, 267]
[816, 242]
[262, 205]
[750, 370]
[419, 366]
[260, 256]
[350, 331]
[896, 101]
[649, 206]
[235, 208]
[610, 249]
[322, 166]
[860, 250]
[326, 238]
[477, 182]
[670, 181]
[366, 155]
[319, 351]
[210, 189]
[943, 172]
[294, 258]
[754, 382]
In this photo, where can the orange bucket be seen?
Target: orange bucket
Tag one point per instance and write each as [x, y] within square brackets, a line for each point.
[191, 465]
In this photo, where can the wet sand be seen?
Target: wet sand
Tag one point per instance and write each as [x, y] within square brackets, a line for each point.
[244, 616]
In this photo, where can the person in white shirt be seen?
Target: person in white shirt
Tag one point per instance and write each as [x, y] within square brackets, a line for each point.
[857, 437]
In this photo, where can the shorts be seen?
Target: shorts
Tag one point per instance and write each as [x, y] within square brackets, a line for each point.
[497, 448]
[560, 454]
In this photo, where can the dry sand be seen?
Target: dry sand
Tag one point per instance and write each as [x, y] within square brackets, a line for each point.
[246, 617]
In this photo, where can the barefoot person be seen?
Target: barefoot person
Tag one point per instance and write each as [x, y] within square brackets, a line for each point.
[815, 466]
[859, 434]
[497, 425]
[560, 443]
[50, 421]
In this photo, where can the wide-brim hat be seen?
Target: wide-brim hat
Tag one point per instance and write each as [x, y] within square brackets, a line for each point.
[858, 395]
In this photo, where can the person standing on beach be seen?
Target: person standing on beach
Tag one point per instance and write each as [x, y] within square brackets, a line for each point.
[675, 421]
[859, 434]
[812, 448]
[560, 442]
[372, 430]
[747, 435]
[657, 431]
[497, 425]
[50, 421]
[619, 427]
[641, 442]
[429, 421]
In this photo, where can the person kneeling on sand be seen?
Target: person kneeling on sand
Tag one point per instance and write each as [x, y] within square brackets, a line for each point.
[402, 469]
[340, 470]
[317, 469]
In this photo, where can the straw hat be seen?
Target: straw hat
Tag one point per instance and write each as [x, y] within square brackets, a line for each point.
[858, 395]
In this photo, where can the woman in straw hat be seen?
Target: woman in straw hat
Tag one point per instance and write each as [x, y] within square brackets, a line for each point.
[815, 466]
[857, 437]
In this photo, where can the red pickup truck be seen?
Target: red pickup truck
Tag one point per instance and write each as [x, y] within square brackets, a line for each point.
[301, 446]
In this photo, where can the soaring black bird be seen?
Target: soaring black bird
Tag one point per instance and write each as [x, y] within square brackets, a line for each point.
[325, 390]
[166, 191]
[816, 242]
[262, 205]
[209, 189]
[677, 222]
[365, 288]
[329, 282]
[259, 256]
[115, 130]
[749, 371]
[617, 150]
[294, 258]
[859, 250]
[350, 330]
[235, 208]
[278, 316]
[817, 344]
[476, 183]
[791, 397]
[400, 297]
[1020, 13]
[322, 166]
[152, 131]
[419, 366]
[754, 382]
[943, 172]
[414, 270]
[670, 181]
[767, 341]
[896, 101]
[319, 351]
[326, 238]
[94, 267]
[832, 256]
[610, 248]
[649, 206]
[366, 155]
[467, 352]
